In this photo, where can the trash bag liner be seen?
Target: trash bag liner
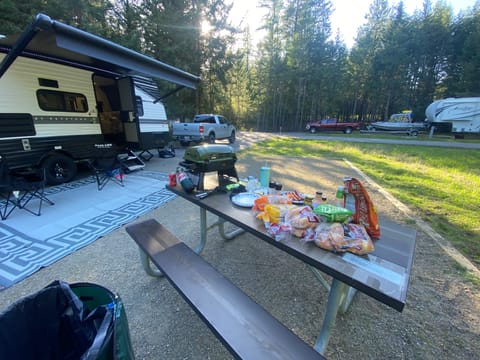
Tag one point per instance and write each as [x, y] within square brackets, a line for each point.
[61, 321]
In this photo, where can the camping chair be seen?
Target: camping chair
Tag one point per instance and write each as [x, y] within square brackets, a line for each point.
[31, 185]
[19, 189]
[106, 167]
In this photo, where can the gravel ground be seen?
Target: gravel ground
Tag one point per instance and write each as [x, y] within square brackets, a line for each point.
[441, 319]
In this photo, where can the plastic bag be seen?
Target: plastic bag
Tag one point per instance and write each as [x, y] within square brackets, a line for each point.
[332, 213]
[80, 321]
[364, 212]
[344, 237]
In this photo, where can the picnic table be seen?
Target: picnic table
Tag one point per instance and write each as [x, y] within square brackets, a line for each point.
[383, 275]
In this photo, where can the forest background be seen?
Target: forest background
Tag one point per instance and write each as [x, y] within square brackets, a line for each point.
[299, 71]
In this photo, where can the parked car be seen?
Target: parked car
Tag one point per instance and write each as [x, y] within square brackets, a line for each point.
[331, 124]
[205, 127]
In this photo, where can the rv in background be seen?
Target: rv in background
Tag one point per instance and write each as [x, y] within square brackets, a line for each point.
[63, 91]
[457, 115]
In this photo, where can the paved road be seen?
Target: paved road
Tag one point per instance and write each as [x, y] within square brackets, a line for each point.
[246, 139]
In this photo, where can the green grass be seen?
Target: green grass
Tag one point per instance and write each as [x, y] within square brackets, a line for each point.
[468, 138]
[441, 184]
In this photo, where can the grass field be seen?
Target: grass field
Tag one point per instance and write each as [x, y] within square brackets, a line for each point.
[441, 184]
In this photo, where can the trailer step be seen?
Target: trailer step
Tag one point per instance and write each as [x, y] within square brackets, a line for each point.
[131, 162]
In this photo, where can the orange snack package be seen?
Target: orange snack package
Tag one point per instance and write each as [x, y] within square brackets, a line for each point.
[358, 201]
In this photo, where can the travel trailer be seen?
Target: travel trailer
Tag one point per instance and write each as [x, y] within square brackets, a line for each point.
[64, 91]
[458, 115]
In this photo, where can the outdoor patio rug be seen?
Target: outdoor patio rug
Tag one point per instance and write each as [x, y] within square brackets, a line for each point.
[81, 215]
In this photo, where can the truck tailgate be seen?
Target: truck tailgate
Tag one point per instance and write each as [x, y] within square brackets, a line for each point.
[186, 129]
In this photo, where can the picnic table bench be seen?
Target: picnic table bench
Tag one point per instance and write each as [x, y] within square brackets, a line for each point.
[246, 329]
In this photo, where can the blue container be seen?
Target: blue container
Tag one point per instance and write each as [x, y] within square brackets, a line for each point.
[264, 176]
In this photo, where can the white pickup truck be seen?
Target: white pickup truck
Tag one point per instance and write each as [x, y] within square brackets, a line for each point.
[205, 127]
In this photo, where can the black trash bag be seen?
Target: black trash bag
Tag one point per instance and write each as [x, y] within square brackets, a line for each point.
[79, 321]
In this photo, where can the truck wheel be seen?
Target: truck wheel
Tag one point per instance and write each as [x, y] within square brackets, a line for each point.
[59, 169]
[348, 130]
[313, 130]
[231, 139]
[211, 138]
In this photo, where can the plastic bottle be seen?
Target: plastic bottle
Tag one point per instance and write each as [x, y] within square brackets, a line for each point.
[264, 176]
[184, 180]
[317, 200]
[251, 184]
[339, 196]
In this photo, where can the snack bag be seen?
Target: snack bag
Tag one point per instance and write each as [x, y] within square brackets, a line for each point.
[301, 218]
[332, 213]
[343, 237]
[357, 239]
[364, 212]
[260, 202]
[274, 213]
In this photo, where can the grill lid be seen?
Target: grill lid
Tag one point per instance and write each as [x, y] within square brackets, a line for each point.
[209, 152]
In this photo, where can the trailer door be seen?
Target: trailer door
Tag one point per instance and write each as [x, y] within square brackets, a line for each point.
[128, 112]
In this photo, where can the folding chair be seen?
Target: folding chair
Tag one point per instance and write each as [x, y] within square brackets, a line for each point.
[19, 189]
[106, 166]
[31, 185]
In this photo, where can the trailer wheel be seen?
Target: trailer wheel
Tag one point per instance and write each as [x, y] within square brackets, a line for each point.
[59, 169]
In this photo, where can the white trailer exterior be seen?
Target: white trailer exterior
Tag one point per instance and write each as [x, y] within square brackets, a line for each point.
[460, 115]
[63, 91]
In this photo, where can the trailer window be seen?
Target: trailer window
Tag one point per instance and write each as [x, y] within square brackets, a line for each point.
[50, 100]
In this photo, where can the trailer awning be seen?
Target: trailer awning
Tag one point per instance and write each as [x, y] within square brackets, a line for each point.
[56, 41]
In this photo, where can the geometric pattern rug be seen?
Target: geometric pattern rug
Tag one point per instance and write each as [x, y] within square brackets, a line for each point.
[81, 214]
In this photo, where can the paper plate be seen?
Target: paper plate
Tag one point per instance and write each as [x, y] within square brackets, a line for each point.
[244, 199]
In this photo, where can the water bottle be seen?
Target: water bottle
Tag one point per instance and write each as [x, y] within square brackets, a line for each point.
[339, 196]
[184, 180]
[264, 176]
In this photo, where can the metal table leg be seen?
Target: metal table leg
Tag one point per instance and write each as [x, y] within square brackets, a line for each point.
[152, 270]
[228, 236]
[336, 297]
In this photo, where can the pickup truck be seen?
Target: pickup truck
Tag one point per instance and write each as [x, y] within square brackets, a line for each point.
[205, 127]
[332, 125]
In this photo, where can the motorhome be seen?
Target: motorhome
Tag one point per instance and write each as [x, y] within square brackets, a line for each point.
[458, 115]
[63, 91]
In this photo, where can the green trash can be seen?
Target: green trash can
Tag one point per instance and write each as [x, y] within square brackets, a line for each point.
[62, 321]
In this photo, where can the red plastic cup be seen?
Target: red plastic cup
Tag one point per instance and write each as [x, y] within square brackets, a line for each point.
[172, 178]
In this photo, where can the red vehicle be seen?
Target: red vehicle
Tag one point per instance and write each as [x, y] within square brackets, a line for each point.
[331, 124]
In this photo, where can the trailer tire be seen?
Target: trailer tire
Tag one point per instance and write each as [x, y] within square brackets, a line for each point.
[59, 169]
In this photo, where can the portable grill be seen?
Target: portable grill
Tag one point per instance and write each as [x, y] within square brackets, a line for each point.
[202, 159]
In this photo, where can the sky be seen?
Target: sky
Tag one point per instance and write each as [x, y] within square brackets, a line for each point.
[348, 15]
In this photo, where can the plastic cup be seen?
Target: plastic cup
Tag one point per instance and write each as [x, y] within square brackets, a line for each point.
[264, 176]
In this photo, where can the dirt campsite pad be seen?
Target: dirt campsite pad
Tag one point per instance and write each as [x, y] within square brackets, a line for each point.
[441, 319]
